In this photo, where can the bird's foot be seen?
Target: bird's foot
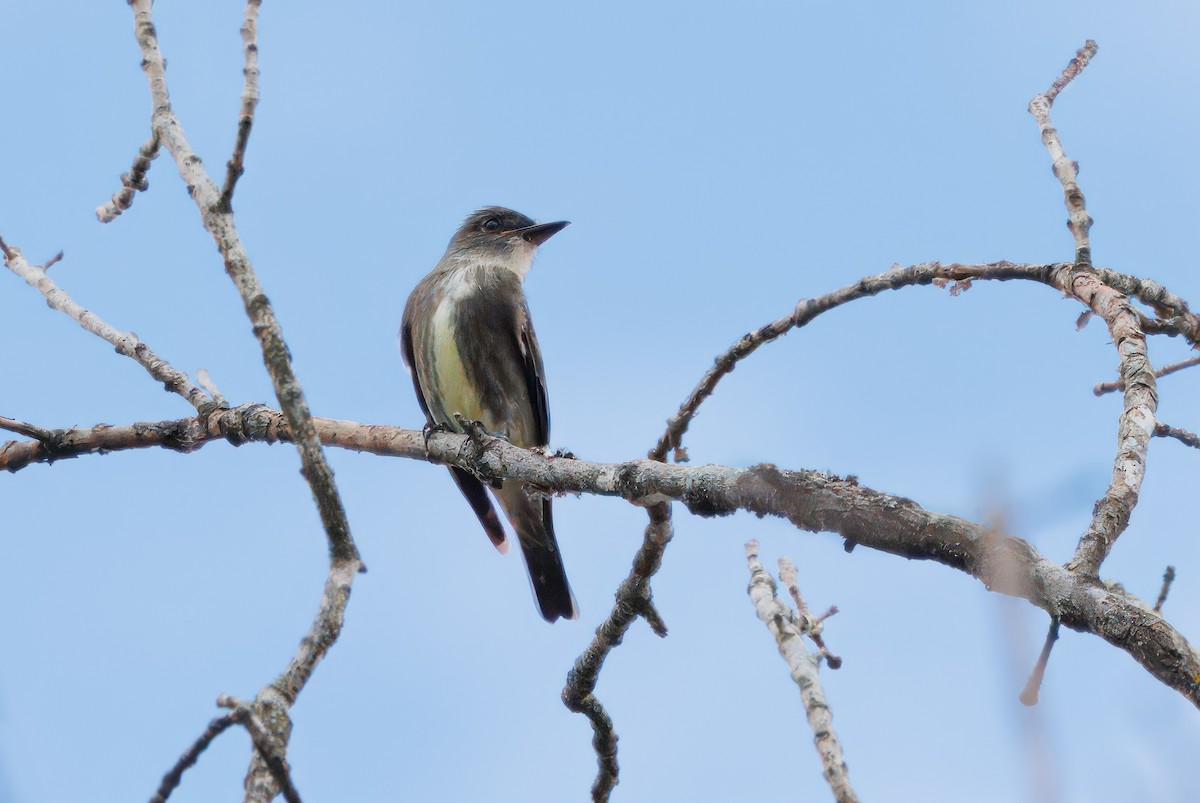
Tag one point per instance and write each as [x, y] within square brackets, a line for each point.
[473, 429]
[428, 431]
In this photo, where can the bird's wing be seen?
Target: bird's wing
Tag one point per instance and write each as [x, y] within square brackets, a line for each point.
[535, 377]
[406, 349]
[472, 488]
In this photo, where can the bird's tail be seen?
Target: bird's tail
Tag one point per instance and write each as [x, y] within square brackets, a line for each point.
[532, 520]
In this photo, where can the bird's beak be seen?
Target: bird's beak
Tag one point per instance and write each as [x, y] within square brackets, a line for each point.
[542, 232]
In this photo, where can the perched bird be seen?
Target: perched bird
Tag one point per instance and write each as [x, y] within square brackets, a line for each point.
[469, 344]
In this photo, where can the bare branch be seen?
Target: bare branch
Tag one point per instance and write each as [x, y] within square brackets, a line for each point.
[1184, 436]
[1029, 695]
[808, 624]
[236, 165]
[924, 273]
[1175, 318]
[1072, 70]
[808, 309]
[126, 343]
[216, 215]
[1079, 221]
[633, 599]
[220, 224]
[1109, 387]
[267, 749]
[132, 182]
[787, 628]
[1111, 514]
[28, 430]
[810, 500]
[174, 776]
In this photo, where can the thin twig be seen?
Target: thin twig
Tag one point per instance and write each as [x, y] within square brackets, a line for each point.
[1186, 437]
[131, 183]
[1181, 435]
[1067, 171]
[808, 624]
[810, 308]
[1110, 387]
[1029, 695]
[28, 430]
[174, 776]
[126, 343]
[236, 165]
[1168, 578]
[787, 628]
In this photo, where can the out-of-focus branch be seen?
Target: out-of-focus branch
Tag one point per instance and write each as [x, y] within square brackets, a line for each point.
[1109, 387]
[788, 629]
[131, 183]
[126, 343]
[1029, 695]
[1168, 578]
[236, 165]
[1066, 170]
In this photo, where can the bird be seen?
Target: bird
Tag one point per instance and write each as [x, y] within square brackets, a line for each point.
[468, 342]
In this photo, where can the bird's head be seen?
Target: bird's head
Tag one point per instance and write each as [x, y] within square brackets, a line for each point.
[502, 236]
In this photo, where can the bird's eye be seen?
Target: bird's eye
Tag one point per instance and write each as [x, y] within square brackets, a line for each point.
[491, 224]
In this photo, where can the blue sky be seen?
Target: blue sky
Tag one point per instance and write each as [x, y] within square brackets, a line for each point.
[718, 163]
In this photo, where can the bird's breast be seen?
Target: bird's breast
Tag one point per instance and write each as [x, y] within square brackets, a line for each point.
[451, 379]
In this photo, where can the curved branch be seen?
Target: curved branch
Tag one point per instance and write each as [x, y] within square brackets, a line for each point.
[807, 309]
[219, 222]
[1109, 387]
[272, 703]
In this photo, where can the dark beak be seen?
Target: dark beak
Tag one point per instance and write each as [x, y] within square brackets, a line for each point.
[542, 232]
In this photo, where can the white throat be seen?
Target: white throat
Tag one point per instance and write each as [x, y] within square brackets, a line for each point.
[519, 260]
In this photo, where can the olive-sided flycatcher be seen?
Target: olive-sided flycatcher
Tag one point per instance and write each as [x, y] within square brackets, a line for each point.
[469, 344]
